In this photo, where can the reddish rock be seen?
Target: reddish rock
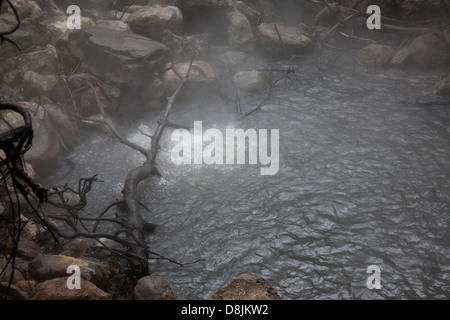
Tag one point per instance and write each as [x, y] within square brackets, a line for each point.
[56, 289]
[246, 287]
[48, 266]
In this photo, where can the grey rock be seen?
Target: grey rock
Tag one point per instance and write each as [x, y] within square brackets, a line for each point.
[119, 57]
[153, 287]
[253, 80]
[239, 28]
[151, 21]
[374, 55]
[293, 39]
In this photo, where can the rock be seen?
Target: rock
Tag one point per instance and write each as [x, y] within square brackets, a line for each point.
[38, 83]
[46, 145]
[246, 287]
[6, 268]
[29, 34]
[442, 88]
[253, 80]
[119, 57]
[45, 142]
[8, 94]
[80, 80]
[30, 230]
[26, 286]
[425, 50]
[153, 287]
[65, 128]
[28, 9]
[293, 38]
[47, 266]
[99, 5]
[51, 9]
[58, 30]
[76, 248]
[104, 250]
[201, 71]
[85, 101]
[56, 289]
[28, 249]
[116, 25]
[374, 55]
[151, 21]
[153, 90]
[14, 292]
[21, 270]
[418, 9]
[44, 61]
[239, 28]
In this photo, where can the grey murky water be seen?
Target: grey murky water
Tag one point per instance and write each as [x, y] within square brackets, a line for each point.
[363, 181]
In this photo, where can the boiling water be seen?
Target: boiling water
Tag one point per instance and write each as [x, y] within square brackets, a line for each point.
[363, 180]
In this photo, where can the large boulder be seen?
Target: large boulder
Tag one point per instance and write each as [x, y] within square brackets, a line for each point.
[56, 289]
[293, 39]
[375, 55]
[425, 50]
[246, 287]
[120, 57]
[151, 21]
[153, 287]
[47, 266]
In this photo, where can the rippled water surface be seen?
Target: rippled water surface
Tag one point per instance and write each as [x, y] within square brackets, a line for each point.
[363, 180]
